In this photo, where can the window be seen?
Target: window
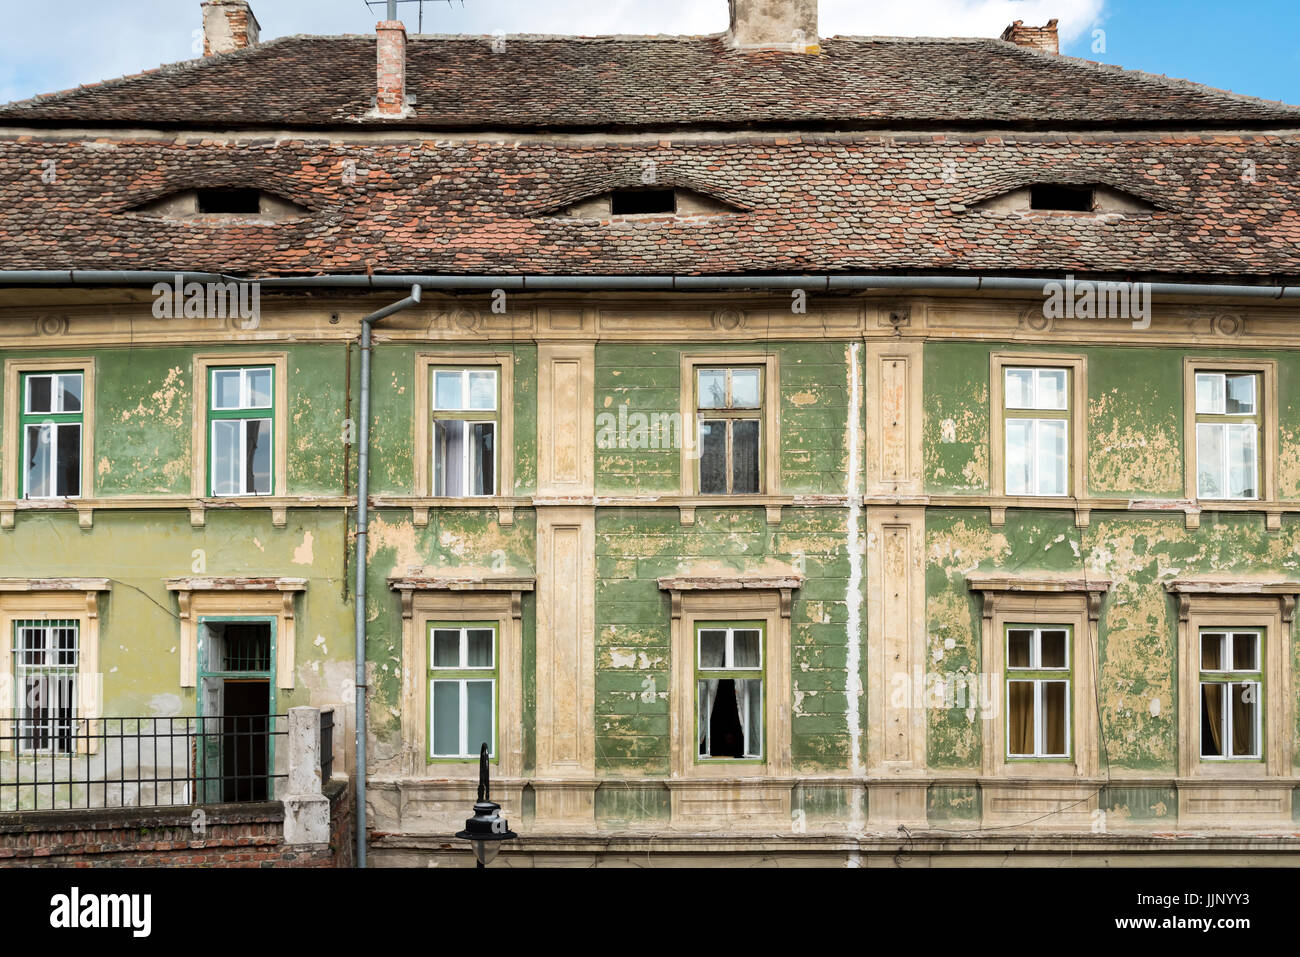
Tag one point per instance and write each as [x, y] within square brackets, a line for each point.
[462, 689]
[46, 661]
[466, 422]
[639, 202]
[240, 425]
[1069, 199]
[729, 410]
[1037, 427]
[729, 688]
[1038, 691]
[229, 201]
[1227, 435]
[51, 424]
[1231, 687]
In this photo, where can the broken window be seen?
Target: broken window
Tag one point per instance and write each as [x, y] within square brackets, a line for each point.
[1038, 691]
[729, 689]
[729, 410]
[240, 415]
[1227, 435]
[46, 659]
[462, 689]
[1037, 410]
[1231, 684]
[51, 429]
[466, 420]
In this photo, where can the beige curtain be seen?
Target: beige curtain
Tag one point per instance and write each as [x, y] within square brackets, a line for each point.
[1020, 717]
[1055, 703]
[1212, 706]
[1243, 719]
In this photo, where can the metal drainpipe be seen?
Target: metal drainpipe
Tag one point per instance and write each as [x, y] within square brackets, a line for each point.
[363, 491]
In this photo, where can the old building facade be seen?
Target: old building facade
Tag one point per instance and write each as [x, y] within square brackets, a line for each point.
[813, 450]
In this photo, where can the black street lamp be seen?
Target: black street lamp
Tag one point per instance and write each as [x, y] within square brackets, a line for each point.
[486, 829]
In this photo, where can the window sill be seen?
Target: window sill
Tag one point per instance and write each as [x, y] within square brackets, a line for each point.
[86, 507]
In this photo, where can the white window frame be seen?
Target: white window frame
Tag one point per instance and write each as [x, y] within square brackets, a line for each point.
[1224, 426]
[470, 422]
[1043, 675]
[245, 405]
[56, 403]
[51, 672]
[1252, 676]
[443, 674]
[1036, 427]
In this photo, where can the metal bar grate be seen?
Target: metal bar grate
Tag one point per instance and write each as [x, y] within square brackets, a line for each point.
[141, 762]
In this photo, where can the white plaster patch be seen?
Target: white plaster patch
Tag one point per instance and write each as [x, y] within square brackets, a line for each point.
[165, 705]
[1154, 707]
[948, 431]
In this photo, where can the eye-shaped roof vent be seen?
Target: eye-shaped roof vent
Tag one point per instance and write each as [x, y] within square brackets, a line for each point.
[222, 203]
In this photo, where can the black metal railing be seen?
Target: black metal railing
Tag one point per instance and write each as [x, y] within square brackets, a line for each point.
[326, 744]
[139, 762]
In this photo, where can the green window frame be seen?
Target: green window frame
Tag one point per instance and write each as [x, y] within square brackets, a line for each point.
[51, 429]
[1036, 430]
[463, 689]
[730, 675]
[465, 430]
[1228, 420]
[1039, 666]
[241, 430]
[1231, 694]
[46, 666]
[729, 417]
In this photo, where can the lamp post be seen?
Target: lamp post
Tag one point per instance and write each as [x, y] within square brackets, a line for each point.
[486, 829]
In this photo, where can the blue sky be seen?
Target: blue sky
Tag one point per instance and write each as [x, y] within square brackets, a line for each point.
[1249, 48]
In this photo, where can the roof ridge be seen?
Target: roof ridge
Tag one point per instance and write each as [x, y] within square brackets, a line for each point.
[179, 66]
[1171, 82]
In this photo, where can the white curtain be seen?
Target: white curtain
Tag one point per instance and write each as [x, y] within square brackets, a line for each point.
[708, 694]
[742, 707]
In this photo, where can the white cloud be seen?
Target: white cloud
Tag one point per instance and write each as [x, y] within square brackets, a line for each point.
[91, 40]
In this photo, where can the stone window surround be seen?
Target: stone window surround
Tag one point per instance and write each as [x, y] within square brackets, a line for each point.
[1266, 369]
[425, 363]
[1076, 602]
[217, 597]
[770, 433]
[1269, 605]
[430, 597]
[695, 599]
[71, 598]
[11, 448]
[1078, 440]
[202, 367]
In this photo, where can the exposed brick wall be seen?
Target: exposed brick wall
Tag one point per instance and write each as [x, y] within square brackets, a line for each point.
[1043, 39]
[342, 823]
[391, 68]
[233, 835]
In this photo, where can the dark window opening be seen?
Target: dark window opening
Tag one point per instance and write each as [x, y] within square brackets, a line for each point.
[637, 202]
[1069, 199]
[242, 201]
[727, 739]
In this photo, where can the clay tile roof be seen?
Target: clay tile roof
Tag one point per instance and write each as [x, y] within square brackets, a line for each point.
[540, 82]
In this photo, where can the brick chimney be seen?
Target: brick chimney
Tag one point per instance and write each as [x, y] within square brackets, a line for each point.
[391, 100]
[1042, 39]
[228, 25]
[773, 25]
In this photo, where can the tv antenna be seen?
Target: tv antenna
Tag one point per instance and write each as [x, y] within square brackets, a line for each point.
[392, 8]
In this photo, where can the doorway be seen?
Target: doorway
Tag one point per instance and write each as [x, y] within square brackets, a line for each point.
[234, 750]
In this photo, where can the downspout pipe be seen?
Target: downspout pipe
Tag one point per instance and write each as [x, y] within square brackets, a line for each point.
[363, 491]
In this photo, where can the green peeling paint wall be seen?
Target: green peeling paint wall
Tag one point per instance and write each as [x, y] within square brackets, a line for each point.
[144, 398]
